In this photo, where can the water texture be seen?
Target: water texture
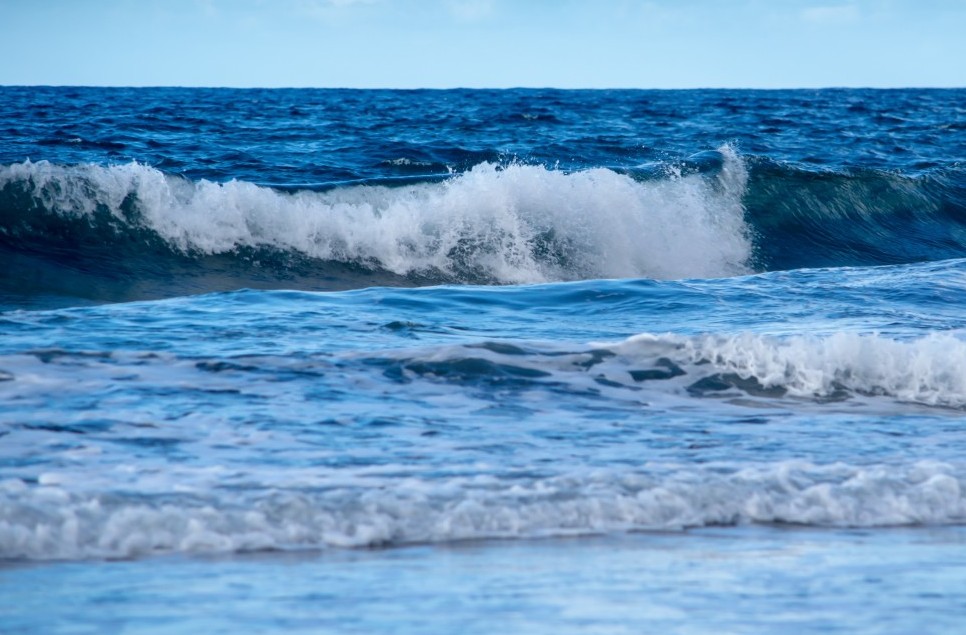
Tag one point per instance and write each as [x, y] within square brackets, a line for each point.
[688, 340]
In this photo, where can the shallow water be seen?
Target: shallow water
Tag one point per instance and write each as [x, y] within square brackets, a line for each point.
[747, 580]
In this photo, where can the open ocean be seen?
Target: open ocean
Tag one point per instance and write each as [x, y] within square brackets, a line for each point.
[511, 361]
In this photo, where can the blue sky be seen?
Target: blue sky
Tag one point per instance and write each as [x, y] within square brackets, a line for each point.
[484, 43]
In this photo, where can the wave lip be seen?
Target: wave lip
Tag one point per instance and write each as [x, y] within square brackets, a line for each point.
[50, 522]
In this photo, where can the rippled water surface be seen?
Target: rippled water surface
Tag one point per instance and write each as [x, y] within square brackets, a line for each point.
[399, 361]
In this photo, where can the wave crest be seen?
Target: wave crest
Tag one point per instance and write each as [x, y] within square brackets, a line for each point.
[510, 224]
[927, 371]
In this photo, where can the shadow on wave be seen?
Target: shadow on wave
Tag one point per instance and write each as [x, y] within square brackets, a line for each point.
[859, 217]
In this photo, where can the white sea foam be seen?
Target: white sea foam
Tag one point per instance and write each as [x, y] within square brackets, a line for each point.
[512, 224]
[51, 522]
[929, 370]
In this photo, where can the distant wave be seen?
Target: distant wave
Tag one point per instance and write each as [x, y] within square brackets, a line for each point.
[132, 231]
[48, 521]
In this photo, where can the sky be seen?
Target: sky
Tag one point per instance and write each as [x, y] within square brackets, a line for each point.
[484, 43]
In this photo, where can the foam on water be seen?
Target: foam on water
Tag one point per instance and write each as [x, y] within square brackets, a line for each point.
[929, 370]
[52, 522]
[78, 490]
[510, 224]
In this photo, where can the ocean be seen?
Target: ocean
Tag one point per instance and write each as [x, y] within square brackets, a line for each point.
[487, 361]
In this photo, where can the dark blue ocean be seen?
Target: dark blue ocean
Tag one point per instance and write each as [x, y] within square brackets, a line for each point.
[510, 361]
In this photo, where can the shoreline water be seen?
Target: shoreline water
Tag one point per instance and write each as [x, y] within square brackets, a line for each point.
[731, 580]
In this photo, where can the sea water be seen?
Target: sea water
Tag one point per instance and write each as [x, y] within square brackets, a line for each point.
[491, 361]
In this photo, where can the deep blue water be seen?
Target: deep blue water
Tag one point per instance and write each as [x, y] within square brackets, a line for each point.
[586, 361]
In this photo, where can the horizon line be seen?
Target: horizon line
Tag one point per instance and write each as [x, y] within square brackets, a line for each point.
[491, 88]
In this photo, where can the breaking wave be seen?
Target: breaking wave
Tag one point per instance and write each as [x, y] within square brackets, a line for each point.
[46, 522]
[928, 370]
[133, 232]
[492, 224]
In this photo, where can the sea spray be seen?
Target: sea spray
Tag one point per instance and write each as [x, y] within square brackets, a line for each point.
[501, 224]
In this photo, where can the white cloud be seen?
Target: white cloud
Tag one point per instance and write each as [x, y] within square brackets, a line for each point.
[470, 10]
[841, 14]
[346, 3]
[208, 8]
[327, 9]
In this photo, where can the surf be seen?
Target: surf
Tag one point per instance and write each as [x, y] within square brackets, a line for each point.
[492, 224]
[131, 231]
[51, 522]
